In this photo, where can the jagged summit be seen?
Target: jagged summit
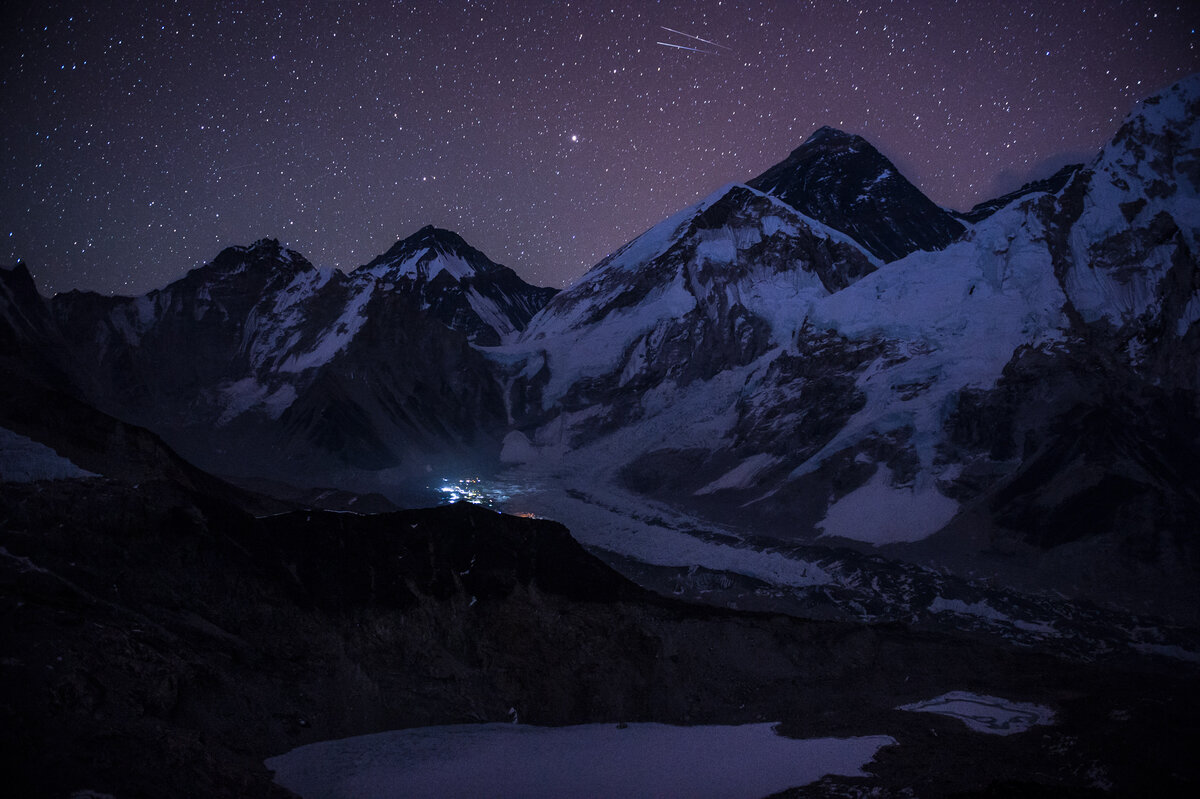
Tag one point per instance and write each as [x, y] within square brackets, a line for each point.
[441, 237]
[458, 284]
[827, 134]
[1051, 185]
[426, 253]
[264, 249]
[17, 278]
[264, 260]
[840, 179]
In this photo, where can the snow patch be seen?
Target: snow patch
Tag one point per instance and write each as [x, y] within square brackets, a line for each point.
[880, 513]
[491, 315]
[517, 448]
[980, 609]
[248, 393]
[23, 460]
[986, 714]
[419, 266]
[742, 475]
[617, 521]
[954, 318]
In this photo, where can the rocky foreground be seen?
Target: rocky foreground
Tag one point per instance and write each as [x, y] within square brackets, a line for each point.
[161, 642]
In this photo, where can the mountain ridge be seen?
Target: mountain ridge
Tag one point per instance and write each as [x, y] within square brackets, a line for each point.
[743, 359]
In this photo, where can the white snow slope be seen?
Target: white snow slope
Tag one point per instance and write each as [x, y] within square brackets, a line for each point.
[509, 760]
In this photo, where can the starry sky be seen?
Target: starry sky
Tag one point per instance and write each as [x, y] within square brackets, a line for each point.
[140, 139]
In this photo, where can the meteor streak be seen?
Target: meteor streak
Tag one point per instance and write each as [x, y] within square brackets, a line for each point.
[697, 38]
[681, 47]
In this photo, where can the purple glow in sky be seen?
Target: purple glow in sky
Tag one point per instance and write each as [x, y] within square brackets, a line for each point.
[137, 144]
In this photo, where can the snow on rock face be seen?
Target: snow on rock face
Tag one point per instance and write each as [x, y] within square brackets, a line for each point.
[819, 350]
[1137, 209]
[248, 394]
[948, 321]
[334, 338]
[276, 321]
[881, 513]
[847, 374]
[425, 254]
[708, 289]
[458, 284]
[258, 359]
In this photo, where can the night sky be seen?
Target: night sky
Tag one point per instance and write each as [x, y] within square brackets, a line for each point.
[136, 144]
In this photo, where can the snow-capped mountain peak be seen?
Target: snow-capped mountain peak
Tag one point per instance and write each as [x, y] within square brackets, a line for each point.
[691, 301]
[458, 284]
[428, 253]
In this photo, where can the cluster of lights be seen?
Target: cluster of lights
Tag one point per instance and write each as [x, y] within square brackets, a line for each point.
[473, 490]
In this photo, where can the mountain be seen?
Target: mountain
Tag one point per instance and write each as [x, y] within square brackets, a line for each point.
[259, 364]
[1050, 185]
[841, 180]
[855, 479]
[24, 319]
[709, 291]
[459, 285]
[1024, 401]
[1006, 399]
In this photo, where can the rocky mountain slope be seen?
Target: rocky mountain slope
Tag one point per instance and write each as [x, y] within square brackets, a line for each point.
[810, 397]
[820, 357]
[260, 364]
[1029, 392]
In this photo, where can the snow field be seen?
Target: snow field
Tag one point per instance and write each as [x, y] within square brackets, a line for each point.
[591, 760]
[986, 714]
[23, 460]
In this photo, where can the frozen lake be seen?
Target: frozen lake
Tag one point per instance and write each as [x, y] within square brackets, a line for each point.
[591, 760]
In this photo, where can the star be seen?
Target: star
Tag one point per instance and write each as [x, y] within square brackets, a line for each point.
[345, 114]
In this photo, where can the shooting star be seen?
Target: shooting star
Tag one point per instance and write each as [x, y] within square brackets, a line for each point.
[681, 47]
[690, 36]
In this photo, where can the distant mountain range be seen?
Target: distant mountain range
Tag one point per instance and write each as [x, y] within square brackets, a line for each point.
[821, 353]
[260, 364]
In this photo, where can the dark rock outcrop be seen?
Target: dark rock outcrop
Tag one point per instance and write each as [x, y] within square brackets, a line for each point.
[840, 179]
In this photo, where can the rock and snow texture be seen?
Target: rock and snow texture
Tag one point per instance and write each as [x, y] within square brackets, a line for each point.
[459, 285]
[702, 292]
[1136, 212]
[778, 344]
[821, 354]
[744, 355]
[637, 760]
[260, 362]
[987, 714]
